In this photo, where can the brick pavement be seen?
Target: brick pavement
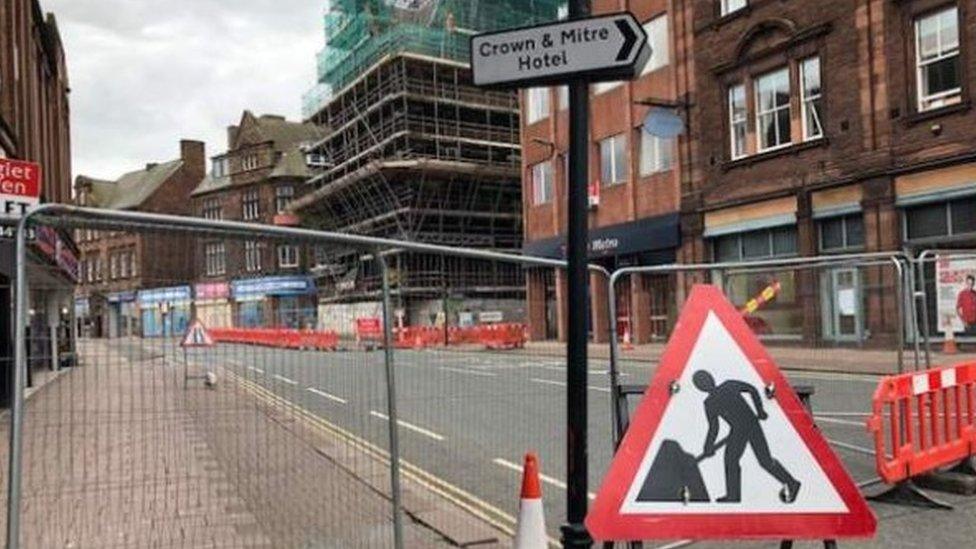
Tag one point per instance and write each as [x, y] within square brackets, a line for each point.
[117, 454]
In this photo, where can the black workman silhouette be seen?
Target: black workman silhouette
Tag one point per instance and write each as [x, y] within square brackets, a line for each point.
[726, 401]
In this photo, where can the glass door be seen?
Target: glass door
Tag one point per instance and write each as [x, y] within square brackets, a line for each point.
[845, 312]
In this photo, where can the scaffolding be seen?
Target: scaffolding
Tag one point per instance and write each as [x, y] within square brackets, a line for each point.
[359, 33]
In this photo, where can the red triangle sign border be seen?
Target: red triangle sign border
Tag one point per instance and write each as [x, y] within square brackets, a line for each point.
[606, 522]
[193, 328]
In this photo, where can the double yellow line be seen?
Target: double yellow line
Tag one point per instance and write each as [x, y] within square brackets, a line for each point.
[474, 505]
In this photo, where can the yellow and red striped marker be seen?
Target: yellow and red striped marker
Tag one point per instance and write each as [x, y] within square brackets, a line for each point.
[765, 296]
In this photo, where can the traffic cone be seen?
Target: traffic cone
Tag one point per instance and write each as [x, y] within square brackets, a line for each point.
[531, 531]
[949, 343]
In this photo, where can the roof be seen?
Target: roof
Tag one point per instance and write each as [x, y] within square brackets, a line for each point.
[211, 184]
[132, 189]
[291, 164]
[285, 134]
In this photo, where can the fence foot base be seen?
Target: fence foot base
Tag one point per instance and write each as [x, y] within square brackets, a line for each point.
[788, 544]
[965, 467]
[953, 481]
[907, 493]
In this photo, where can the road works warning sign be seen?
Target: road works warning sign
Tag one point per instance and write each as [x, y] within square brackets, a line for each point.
[197, 336]
[721, 447]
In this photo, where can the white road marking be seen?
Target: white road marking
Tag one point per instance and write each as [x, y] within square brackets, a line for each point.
[563, 384]
[286, 380]
[253, 369]
[832, 376]
[851, 447]
[411, 426]
[468, 372]
[840, 414]
[544, 478]
[836, 421]
[323, 394]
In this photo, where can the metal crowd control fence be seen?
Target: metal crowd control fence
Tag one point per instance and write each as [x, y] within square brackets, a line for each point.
[834, 323]
[310, 435]
[940, 275]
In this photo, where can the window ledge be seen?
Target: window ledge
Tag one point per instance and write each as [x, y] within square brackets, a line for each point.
[793, 149]
[721, 20]
[922, 116]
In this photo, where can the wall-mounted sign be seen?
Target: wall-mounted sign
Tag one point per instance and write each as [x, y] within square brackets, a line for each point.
[20, 187]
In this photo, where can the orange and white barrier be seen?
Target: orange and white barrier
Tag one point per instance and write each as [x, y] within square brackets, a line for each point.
[929, 419]
[531, 530]
[282, 338]
[768, 294]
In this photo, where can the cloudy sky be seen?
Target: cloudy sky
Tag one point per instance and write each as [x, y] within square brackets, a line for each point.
[146, 73]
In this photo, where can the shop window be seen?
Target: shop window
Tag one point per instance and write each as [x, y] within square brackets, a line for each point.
[773, 109]
[731, 6]
[542, 183]
[810, 98]
[927, 221]
[783, 240]
[562, 97]
[842, 233]
[655, 153]
[963, 214]
[537, 100]
[758, 244]
[613, 160]
[937, 59]
[657, 37]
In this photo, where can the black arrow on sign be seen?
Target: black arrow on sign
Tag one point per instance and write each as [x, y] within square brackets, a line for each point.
[630, 38]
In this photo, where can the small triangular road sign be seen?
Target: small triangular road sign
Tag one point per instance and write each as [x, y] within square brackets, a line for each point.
[720, 447]
[197, 336]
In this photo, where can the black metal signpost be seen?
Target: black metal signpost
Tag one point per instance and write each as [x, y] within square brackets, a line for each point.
[576, 52]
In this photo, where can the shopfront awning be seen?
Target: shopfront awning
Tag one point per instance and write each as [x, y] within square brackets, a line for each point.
[651, 234]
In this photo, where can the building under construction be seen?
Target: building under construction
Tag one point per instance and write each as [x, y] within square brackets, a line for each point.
[415, 151]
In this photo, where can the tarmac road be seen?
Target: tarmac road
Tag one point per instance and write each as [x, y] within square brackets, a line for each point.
[468, 417]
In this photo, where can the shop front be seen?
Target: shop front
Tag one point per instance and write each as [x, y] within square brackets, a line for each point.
[274, 301]
[212, 304]
[123, 314]
[165, 312]
[645, 306]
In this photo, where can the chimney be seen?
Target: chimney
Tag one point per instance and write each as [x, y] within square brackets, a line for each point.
[151, 165]
[194, 156]
[231, 136]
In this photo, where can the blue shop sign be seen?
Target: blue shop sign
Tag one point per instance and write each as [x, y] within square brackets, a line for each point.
[119, 297]
[159, 295]
[272, 285]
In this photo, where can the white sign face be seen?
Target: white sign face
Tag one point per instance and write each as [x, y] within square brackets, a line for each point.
[600, 48]
[490, 316]
[753, 435]
[955, 295]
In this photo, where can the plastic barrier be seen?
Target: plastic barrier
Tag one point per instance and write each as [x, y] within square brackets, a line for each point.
[278, 337]
[503, 336]
[928, 418]
[493, 336]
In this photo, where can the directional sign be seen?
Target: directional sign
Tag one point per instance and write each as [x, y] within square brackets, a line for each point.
[721, 448]
[20, 187]
[606, 47]
[197, 336]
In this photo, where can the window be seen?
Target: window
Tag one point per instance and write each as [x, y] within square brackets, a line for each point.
[219, 167]
[287, 256]
[655, 153]
[124, 262]
[810, 100]
[613, 160]
[562, 96]
[113, 266]
[773, 109]
[215, 258]
[133, 265]
[730, 6]
[937, 59]
[538, 104]
[758, 244]
[251, 205]
[842, 233]
[98, 268]
[737, 120]
[252, 256]
[542, 181]
[249, 162]
[657, 37]
[940, 219]
[283, 196]
[212, 209]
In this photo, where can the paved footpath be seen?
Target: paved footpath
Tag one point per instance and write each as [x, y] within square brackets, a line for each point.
[118, 454]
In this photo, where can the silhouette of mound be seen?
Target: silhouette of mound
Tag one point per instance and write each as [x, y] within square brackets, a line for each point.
[672, 471]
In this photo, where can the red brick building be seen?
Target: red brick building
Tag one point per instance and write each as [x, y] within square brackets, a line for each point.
[255, 282]
[34, 126]
[137, 283]
[635, 182]
[840, 129]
